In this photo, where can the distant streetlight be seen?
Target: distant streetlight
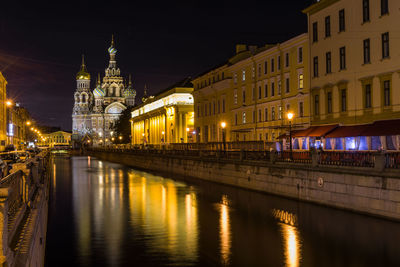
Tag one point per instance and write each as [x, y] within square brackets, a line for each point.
[28, 123]
[113, 138]
[290, 116]
[120, 137]
[9, 103]
[223, 125]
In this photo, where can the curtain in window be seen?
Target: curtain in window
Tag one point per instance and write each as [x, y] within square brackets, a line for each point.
[304, 144]
[363, 143]
[327, 144]
[338, 144]
[383, 142]
[296, 143]
[357, 141]
[390, 142]
[333, 143]
[375, 143]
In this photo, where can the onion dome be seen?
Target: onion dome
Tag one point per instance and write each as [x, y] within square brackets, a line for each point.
[98, 91]
[83, 74]
[112, 49]
[129, 91]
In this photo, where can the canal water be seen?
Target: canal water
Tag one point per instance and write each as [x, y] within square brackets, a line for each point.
[106, 214]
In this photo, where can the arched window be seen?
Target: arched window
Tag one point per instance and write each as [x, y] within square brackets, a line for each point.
[83, 98]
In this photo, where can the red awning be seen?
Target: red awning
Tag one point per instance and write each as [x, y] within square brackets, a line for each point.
[348, 131]
[303, 133]
[383, 128]
[322, 130]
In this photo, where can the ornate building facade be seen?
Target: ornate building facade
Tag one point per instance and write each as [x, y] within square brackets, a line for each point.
[96, 111]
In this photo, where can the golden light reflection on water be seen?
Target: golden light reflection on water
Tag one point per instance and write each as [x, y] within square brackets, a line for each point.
[164, 214]
[290, 235]
[225, 230]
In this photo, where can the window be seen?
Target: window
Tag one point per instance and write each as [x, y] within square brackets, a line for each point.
[301, 81]
[328, 62]
[315, 61]
[365, 10]
[266, 137]
[235, 97]
[384, 7]
[315, 32]
[385, 45]
[244, 117]
[235, 78]
[287, 107]
[214, 107]
[344, 100]
[219, 106]
[259, 92]
[279, 87]
[254, 116]
[266, 114]
[342, 23]
[223, 105]
[301, 109]
[243, 75]
[244, 96]
[287, 85]
[259, 115]
[342, 52]
[329, 100]
[287, 60]
[266, 90]
[368, 96]
[386, 93]
[279, 112]
[253, 95]
[367, 51]
[278, 63]
[265, 67]
[327, 26]
[259, 70]
[236, 119]
[272, 89]
[300, 54]
[273, 113]
[272, 65]
[316, 105]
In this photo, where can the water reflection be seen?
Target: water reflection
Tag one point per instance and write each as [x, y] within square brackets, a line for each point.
[110, 215]
[225, 230]
[292, 248]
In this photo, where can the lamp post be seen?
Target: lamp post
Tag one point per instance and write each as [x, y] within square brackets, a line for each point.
[223, 125]
[290, 117]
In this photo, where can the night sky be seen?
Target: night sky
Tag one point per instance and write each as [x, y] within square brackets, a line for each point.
[159, 44]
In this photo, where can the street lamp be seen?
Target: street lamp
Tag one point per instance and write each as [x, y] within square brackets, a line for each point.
[290, 116]
[143, 138]
[162, 138]
[223, 125]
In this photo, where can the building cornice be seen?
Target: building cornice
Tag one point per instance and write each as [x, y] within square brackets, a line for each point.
[318, 6]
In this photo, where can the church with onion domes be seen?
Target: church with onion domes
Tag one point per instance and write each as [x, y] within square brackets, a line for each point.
[95, 111]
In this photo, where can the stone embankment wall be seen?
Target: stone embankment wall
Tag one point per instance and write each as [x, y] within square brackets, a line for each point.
[24, 196]
[373, 191]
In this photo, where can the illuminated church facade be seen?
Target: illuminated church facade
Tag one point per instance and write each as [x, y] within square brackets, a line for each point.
[95, 111]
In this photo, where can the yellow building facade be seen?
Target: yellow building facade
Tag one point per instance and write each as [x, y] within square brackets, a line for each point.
[355, 61]
[166, 117]
[59, 138]
[3, 112]
[253, 92]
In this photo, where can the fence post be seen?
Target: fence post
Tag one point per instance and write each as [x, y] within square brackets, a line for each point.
[380, 161]
[314, 158]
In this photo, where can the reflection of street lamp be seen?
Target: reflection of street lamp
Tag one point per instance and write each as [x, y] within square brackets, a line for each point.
[290, 116]
[223, 125]
[143, 138]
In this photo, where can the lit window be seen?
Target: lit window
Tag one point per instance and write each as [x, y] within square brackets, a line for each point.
[244, 117]
[301, 81]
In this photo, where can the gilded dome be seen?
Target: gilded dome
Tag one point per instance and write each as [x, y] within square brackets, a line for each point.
[82, 73]
[129, 91]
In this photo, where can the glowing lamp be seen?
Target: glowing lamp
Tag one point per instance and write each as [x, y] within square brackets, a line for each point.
[223, 125]
[290, 115]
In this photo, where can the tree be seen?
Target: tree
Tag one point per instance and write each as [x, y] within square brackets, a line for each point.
[122, 127]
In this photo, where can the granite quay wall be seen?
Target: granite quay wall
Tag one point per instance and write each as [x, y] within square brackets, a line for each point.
[368, 183]
[23, 213]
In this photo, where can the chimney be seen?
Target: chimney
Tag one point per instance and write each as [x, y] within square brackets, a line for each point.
[240, 48]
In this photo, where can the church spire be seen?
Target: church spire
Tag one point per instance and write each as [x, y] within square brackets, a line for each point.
[130, 80]
[112, 40]
[145, 91]
[83, 74]
[98, 78]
